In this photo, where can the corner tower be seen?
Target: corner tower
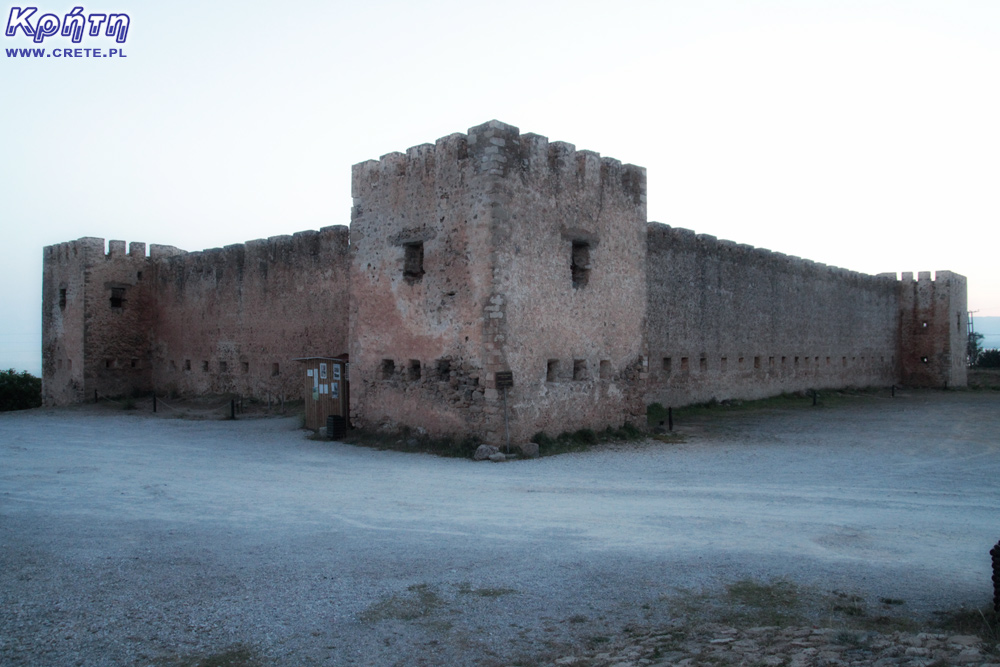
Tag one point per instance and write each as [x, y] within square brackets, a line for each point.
[497, 254]
[934, 329]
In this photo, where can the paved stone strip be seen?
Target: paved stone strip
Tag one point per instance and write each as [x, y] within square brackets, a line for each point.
[789, 647]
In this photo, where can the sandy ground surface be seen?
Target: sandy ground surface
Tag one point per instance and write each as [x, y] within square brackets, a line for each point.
[130, 539]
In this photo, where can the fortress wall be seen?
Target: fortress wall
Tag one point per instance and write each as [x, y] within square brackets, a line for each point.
[233, 319]
[934, 324]
[567, 307]
[96, 334]
[118, 329]
[420, 278]
[494, 217]
[64, 272]
[732, 321]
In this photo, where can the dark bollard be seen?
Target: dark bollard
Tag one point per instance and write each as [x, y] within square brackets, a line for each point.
[815, 395]
[670, 419]
[894, 391]
[995, 553]
[232, 408]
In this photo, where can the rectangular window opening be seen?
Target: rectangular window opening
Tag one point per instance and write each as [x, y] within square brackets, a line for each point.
[444, 368]
[223, 366]
[413, 261]
[204, 366]
[580, 264]
[187, 364]
[579, 369]
[667, 363]
[388, 369]
[703, 364]
[117, 297]
[414, 369]
[756, 363]
[135, 363]
[246, 367]
[605, 369]
[275, 369]
[62, 297]
[723, 364]
[685, 366]
[552, 370]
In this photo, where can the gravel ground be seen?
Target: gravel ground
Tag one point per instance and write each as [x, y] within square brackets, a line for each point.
[127, 539]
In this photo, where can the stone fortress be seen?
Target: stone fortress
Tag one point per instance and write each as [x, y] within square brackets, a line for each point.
[487, 256]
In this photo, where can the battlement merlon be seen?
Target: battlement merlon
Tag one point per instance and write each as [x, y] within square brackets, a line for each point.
[925, 277]
[498, 149]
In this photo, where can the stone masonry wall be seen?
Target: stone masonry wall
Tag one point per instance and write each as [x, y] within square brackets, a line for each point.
[486, 256]
[732, 321]
[420, 280]
[463, 268]
[96, 320]
[934, 324]
[566, 313]
[232, 320]
[64, 269]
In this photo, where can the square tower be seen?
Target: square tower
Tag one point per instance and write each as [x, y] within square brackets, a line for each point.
[495, 258]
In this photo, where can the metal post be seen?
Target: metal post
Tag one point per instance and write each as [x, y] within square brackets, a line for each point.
[894, 391]
[670, 419]
[232, 408]
[815, 394]
[506, 426]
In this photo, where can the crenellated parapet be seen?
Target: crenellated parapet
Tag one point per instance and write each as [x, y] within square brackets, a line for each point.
[933, 329]
[496, 149]
[664, 238]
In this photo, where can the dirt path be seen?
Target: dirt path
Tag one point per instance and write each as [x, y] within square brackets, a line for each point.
[135, 540]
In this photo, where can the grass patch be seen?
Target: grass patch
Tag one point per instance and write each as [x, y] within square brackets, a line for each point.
[655, 412]
[754, 603]
[583, 439]
[234, 656]
[983, 623]
[672, 438]
[419, 601]
[467, 589]
[406, 440]
[984, 379]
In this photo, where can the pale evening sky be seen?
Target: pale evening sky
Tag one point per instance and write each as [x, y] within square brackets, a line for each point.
[858, 134]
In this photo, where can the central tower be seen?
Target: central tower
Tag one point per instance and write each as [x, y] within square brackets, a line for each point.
[497, 252]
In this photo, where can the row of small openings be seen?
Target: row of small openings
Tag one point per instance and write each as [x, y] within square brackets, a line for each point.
[414, 369]
[69, 364]
[223, 366]
[668, 363]
[579, 264]
[119, 363]
[581, 371]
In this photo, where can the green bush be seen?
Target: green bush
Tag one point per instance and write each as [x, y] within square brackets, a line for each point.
[988, 359]
[19, 391]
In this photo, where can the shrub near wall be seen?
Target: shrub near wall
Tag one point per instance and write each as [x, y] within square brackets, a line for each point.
[19, 391]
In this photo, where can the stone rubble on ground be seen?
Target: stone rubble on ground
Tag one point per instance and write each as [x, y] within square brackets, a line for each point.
[791, 647]
[484, 452]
